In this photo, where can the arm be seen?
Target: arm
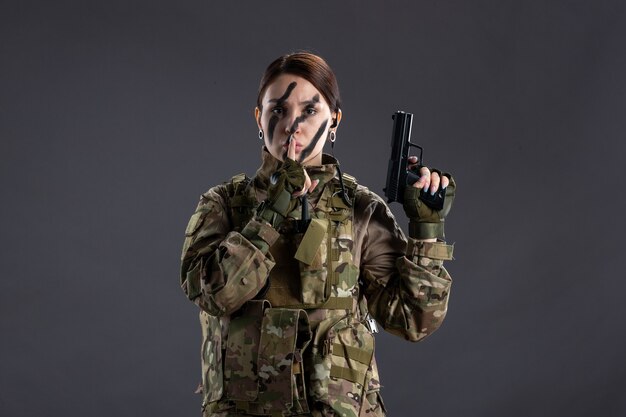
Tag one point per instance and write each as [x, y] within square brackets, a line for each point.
[404, 281]
[222, 269]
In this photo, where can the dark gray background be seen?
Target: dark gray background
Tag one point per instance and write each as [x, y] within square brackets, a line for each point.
[116, 115]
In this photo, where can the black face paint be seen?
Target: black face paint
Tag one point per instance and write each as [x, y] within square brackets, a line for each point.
[304, 115]
[270, 128]
[314, 100]
[307, 151]
[286, 95]
[279, 102]
[296, 122]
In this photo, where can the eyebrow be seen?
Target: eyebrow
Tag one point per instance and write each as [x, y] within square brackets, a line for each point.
[314, 100]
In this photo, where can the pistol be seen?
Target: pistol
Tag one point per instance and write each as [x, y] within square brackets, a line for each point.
[398, 174]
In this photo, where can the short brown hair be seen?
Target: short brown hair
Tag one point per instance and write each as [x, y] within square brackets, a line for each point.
[309, 66]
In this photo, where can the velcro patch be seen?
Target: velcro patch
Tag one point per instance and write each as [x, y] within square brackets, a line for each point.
[311, 241]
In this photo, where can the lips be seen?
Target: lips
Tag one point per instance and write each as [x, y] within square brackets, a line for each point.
[299, 146]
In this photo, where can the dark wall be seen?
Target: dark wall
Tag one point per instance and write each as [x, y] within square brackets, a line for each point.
[116, 115]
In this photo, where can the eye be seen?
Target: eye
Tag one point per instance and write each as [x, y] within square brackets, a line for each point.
[310, 111]
[277, 110]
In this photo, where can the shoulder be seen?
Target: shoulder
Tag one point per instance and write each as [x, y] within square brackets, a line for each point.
[367, 204]
[368, 201]
[224, 192]
[213, 209]
[364, 199]
[371, 211]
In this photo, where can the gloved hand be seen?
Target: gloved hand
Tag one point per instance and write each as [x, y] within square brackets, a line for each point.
[289, 179]
[425, 222]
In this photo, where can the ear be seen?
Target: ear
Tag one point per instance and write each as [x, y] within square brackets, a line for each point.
[336, 116]
[257, 117]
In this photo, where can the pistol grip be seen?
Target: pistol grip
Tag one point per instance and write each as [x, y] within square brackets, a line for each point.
[434, 201]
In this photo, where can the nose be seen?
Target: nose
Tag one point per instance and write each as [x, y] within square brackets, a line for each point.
[292, 123]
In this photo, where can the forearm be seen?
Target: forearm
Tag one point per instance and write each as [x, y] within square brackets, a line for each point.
[412, 303]
[221, 279]
[221, 269]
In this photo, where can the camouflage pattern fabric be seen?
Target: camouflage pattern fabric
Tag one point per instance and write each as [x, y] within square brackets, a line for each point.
[232, 260]
[242, 346]
[284, 336]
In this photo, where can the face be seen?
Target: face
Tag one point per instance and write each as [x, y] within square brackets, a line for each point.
[292, 106]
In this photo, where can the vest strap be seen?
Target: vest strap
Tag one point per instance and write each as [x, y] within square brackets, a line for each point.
[338, 303]
[348, 374]
[353, 353]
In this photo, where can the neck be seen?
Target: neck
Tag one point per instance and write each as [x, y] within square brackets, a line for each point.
[313, 161]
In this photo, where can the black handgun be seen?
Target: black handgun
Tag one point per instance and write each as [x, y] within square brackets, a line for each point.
[398, 175]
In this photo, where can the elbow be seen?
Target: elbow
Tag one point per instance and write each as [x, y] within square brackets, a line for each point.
[190, 280]
[427, 324]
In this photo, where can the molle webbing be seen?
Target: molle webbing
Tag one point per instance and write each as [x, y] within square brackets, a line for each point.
[351, 352]
[348, 374]
[364, 357]
[338, 303]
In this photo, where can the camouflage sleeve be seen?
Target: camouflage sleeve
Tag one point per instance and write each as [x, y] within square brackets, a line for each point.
[221, 269]
[404, 280]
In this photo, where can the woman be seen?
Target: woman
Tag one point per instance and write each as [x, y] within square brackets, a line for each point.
[289, 267]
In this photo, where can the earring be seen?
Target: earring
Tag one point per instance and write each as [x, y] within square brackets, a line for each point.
[332, 136]
[260, 134]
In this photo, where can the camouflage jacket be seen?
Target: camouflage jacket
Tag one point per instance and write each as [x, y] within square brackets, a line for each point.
[285, 330]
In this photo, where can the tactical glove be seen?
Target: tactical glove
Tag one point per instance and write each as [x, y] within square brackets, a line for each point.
[280, 201]
[424, 221]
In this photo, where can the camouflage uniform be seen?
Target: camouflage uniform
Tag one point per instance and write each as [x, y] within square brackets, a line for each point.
[283, 314]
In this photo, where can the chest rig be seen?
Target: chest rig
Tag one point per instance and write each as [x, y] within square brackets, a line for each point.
[321, 257]
[300, 341]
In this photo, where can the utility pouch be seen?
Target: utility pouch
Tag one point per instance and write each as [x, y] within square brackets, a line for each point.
[242, 347]
[263, 370]
[313, 257]
[285, 333]
[342, 357]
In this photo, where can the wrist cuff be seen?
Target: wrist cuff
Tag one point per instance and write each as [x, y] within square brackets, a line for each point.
[281, 203]
[260, 234]
[419, 230]
[432, 250]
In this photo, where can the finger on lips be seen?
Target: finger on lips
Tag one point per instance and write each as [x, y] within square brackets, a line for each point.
[309, 186]
[291, 151]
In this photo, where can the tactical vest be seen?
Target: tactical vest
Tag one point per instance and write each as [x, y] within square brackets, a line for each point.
[312, 348]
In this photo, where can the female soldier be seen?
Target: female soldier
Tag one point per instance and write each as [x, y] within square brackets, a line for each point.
[289, 267]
